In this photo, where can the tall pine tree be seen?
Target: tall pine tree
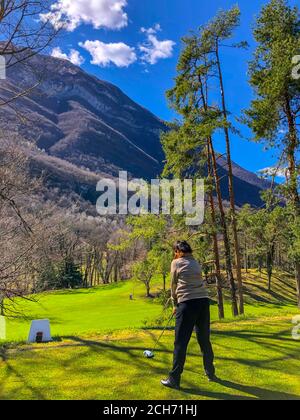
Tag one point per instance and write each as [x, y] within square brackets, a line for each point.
[274, 115]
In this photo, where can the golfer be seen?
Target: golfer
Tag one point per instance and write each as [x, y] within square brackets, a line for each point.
[192, 309]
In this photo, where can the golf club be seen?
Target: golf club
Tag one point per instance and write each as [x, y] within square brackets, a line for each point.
[149, 354]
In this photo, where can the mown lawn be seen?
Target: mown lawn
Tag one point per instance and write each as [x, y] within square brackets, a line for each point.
[108, 308]
[100, 337]
[255, 359]
[104, 308]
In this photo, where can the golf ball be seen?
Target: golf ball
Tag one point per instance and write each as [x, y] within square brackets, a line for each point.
[149, 354]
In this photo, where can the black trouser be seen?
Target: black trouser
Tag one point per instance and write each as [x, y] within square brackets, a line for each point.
[190, 314]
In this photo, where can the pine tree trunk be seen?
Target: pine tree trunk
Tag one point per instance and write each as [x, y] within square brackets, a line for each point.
[260, 264]
[246, 255]
[214, 169]
[291, 154]
[293, 181]
[231, 192]
[229, 272]
[216, 246]
[269, 272]
[270, 265]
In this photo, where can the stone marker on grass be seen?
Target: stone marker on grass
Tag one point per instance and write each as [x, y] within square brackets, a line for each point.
[40, 331]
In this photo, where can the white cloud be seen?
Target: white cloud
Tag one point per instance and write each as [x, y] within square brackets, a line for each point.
[74, 56]
[103, 54]
[154, 50]
[273, 171]
[100, 13]
[150, 31]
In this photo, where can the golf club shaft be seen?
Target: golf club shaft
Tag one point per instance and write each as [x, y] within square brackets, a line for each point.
[168, 323]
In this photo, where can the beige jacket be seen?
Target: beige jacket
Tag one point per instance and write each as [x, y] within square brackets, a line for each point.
[186, 280]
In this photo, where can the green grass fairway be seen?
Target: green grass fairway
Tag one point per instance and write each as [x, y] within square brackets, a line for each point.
[99, 342]
[108, 308]
[105, 308]
[255, 360]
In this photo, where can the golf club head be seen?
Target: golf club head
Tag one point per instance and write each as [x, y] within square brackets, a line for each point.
[148, 354]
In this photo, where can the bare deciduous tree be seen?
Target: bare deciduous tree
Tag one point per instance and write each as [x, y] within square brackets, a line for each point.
[17, 242]
[24, 34]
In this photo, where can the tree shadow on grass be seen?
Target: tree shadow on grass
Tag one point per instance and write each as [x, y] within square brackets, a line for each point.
[115, 349]
[271, 344]
[254, 393]
[134, 354]
[158, 328]
[272, 296]
[258, 336]
[3, 354]
[24, 383]
[277, 342]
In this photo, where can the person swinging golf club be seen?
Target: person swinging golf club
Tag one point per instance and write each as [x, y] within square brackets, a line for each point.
[192, 310]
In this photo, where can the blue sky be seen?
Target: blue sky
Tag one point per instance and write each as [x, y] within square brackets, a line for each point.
[148, 76]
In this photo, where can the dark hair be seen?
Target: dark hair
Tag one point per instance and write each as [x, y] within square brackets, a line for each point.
[183, 246]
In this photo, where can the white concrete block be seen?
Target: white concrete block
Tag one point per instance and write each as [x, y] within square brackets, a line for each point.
[40, 326]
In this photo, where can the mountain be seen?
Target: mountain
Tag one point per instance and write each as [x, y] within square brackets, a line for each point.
[80, 127]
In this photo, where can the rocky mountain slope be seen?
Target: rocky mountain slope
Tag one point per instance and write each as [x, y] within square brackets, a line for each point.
[82, 125]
